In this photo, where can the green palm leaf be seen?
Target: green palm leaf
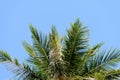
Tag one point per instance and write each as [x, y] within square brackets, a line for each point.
[4, 56]
[75, 45]
[105, 60]
[30, 49]
[40, 42]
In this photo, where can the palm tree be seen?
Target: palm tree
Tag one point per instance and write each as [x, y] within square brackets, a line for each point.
[70, 57]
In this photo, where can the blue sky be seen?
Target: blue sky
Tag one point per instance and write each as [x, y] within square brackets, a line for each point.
[101, 16]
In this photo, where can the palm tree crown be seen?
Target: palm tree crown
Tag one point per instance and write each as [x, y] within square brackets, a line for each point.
[52, 57]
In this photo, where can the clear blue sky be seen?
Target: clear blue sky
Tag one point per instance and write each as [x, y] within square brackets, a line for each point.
[101, 16]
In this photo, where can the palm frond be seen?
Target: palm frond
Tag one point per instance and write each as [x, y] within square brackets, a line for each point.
[83, 65]
[41, 49]
[4, 56]
[31, 73]
[31, 51]
[104, 60]
[75, 45]
[75, 41]
[14, 66]
[56, 63]
[40, 43]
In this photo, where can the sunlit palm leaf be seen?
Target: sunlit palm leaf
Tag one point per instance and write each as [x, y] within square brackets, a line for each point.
[31, 51]
[56, 65]
[40, 42]
[75, 45]
[4, 56]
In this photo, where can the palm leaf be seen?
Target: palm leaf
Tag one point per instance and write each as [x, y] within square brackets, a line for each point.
[31, 73]
[4, 56]
[56, 64]
[40, 42]
[75, 45]
[83, 65]
[104, 60]
[31, 51]
[21, 71]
